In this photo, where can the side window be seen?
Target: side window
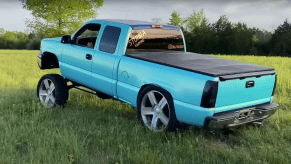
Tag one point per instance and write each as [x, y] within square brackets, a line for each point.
[87, 36]
[109, 39]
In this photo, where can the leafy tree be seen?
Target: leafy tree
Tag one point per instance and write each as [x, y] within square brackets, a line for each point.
[281, 40]
[175, 19]
[241, 40]
[255, 39]
[253, 49]
[263, 35]
[206, 36]
[12, 39]
[263, 44]
[2, 31]
[222, 30]
[58, 17]
[195, 20]
[199, 38]
[222, 24]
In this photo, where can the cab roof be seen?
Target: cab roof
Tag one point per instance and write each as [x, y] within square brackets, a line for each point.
[129, 22]
[135, 24]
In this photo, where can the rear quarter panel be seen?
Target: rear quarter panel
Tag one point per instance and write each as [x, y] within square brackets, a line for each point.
[185, 87]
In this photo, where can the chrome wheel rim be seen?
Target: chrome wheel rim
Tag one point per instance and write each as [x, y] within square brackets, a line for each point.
[155, 111]
[47, 93]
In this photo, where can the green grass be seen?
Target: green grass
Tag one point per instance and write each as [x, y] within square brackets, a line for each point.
[91, 130]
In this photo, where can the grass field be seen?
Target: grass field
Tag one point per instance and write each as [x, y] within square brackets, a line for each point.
[91, 130]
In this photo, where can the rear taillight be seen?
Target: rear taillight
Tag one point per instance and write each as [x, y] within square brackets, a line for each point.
[274, 85]
[209, 94]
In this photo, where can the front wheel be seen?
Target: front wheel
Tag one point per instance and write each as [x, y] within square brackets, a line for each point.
[52, 91]
[156, 109]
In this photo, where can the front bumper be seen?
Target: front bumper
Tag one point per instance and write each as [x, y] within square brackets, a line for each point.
[238, 117]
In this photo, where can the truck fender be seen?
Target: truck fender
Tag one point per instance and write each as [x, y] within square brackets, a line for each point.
[47, 60]
[146, 85]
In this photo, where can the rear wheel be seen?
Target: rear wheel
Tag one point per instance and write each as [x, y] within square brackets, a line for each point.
[52, 91]
[156, 109]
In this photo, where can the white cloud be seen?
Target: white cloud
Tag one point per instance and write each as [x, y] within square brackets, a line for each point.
[211, 15]
[13, 16]
[259, 21]
[287, 13]
[231, 8]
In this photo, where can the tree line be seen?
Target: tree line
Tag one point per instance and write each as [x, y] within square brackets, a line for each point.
[19, 40]
[225, 37]
[55, 18]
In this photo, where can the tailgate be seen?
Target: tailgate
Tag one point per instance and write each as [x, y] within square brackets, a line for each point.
[240, 90]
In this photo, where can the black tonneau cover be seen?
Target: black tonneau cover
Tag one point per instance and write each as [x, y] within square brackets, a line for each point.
[204, 64]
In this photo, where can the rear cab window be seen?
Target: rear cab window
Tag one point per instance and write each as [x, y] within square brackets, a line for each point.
[155, 40]
[109, 39]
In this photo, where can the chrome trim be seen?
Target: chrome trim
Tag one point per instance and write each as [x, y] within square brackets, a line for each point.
[231, 119]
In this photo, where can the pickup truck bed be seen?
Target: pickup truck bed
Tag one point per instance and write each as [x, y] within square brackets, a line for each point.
[204, 64]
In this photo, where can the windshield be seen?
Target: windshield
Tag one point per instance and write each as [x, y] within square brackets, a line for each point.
[155, 40]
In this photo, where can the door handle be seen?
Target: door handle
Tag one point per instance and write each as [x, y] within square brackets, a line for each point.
[88, 56]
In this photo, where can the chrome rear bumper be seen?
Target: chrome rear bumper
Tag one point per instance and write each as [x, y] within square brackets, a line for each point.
[238, 117]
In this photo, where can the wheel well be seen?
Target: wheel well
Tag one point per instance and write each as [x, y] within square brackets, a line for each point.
[51, 60]
[146, 85]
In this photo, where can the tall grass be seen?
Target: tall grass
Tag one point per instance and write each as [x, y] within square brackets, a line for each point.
[91, 130]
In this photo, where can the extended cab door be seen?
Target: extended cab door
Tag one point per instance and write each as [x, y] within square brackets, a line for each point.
[105, 59]
[77, 56]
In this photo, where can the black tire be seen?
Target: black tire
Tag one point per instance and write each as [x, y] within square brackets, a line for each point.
[173, 123]
[60, 93]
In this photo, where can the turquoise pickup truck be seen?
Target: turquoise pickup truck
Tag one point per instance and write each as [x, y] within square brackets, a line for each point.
[146, 65]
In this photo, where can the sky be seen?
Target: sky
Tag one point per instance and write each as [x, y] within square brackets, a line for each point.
[263, 14]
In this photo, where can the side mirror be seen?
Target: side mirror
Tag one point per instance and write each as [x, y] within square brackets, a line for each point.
[66, 39]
